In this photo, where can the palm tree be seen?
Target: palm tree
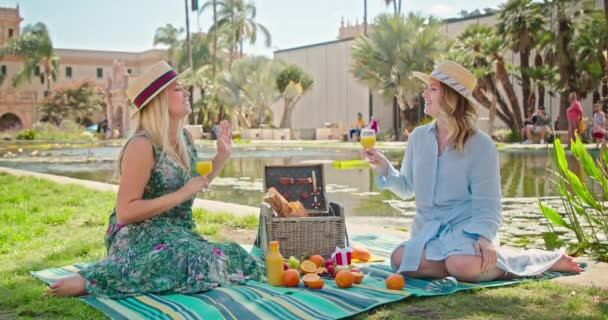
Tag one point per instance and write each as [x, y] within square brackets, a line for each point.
[396, 6]
[568, 14]
[250, 89]
[238, 17]
[169, 36]
[590, 44]
[520, 22]
[385, 59]
[213, 4]
[481, 51]
[292, 83]
[201, 54]
[36, 47]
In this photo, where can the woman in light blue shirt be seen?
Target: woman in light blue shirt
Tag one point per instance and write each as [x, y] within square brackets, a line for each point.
[451, 168]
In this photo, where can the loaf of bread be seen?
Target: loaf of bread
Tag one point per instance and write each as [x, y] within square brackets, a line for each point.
[298, 209]
[278, 203]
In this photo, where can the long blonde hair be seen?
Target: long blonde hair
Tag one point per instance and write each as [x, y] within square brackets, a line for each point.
[154, 121]
[459, 115]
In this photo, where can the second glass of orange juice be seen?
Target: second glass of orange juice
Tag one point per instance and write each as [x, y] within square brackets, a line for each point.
[368, 138]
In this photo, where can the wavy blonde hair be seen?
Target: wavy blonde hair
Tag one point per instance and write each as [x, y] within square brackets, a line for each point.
[154, 122]
[459, 115]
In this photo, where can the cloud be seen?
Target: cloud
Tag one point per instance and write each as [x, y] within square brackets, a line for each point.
[442, 10]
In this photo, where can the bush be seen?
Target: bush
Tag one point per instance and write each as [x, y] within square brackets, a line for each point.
[386, 135]
[26, 135]
[584, 205]
[67, 131]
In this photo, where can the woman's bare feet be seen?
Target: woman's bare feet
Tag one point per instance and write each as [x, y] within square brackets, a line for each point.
[72, 286]
[566, 264]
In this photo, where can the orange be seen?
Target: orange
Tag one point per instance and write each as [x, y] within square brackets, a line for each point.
[395, 282]
[308, 267]
[358, 276]
[291, 278]
[344, 279]
[313, 281]
[318, 260]
[361, 254]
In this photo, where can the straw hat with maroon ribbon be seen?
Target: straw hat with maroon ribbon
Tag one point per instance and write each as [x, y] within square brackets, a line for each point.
[454, 76]
[149, 84]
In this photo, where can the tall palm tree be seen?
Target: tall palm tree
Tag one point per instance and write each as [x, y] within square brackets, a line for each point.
[201, 54]
[481, 51]
[168, 35]
[252, 89]
[36, 47]
[520, 22]
[396, 5]
[385, 59]
[213, 4]
[567, 14]
[589, 46]
[238, 16]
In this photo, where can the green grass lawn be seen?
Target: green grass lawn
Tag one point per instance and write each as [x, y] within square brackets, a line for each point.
[45, 225]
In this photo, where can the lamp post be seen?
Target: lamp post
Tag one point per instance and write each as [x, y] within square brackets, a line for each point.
[370, 94]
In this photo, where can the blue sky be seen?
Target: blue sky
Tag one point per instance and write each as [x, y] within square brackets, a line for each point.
[129, 25]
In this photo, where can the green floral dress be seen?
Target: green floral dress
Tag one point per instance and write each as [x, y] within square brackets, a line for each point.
[163, 254]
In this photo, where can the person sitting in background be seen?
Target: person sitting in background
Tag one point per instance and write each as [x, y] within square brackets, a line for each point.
[527, 130]
[542, 125]
[373, 124]
[358, 126]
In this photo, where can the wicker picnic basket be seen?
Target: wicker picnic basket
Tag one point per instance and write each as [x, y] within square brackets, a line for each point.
[320, 233]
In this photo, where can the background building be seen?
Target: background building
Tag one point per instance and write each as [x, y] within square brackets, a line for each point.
[110, 70]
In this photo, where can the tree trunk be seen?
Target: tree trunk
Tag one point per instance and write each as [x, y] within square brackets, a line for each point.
[287, 111]
[604, 64]
[501, 75]
[395, 116]
[483, 100]
[214, 38]
[538, 62]
[492, 115]
[567, 67]
[524, 60]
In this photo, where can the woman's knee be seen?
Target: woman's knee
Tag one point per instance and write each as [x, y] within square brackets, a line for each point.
[465, 268]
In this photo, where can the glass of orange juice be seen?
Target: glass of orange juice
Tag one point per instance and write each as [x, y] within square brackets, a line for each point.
[368, 138]
[204, 168]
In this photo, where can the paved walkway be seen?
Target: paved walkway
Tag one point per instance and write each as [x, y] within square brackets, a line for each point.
[595, 275]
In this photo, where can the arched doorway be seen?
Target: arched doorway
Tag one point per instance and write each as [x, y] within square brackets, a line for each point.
[10, 122]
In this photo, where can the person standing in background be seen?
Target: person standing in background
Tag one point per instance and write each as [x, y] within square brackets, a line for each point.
[574, 114]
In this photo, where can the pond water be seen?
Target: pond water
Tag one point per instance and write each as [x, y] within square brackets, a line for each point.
[523, 173]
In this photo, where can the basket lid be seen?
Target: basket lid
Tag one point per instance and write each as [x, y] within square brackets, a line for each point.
[304, 183]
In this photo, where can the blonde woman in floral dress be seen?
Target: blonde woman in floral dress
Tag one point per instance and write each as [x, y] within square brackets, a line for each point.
[150, 240]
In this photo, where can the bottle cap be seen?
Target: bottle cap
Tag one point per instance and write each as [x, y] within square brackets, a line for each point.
[273, 244]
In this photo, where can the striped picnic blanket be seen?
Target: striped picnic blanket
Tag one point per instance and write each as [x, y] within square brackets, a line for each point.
[257, 300]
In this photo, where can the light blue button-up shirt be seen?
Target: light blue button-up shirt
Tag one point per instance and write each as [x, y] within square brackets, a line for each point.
[457, 195]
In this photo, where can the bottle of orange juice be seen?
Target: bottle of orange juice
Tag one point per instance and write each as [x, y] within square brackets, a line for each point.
[274, 265]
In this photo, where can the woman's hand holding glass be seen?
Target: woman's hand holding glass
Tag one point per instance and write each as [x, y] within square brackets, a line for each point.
[195, 185]
[204, 168]
[376, 159]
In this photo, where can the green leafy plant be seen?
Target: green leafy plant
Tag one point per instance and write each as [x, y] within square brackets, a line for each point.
[584, 203]
[26, 135]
